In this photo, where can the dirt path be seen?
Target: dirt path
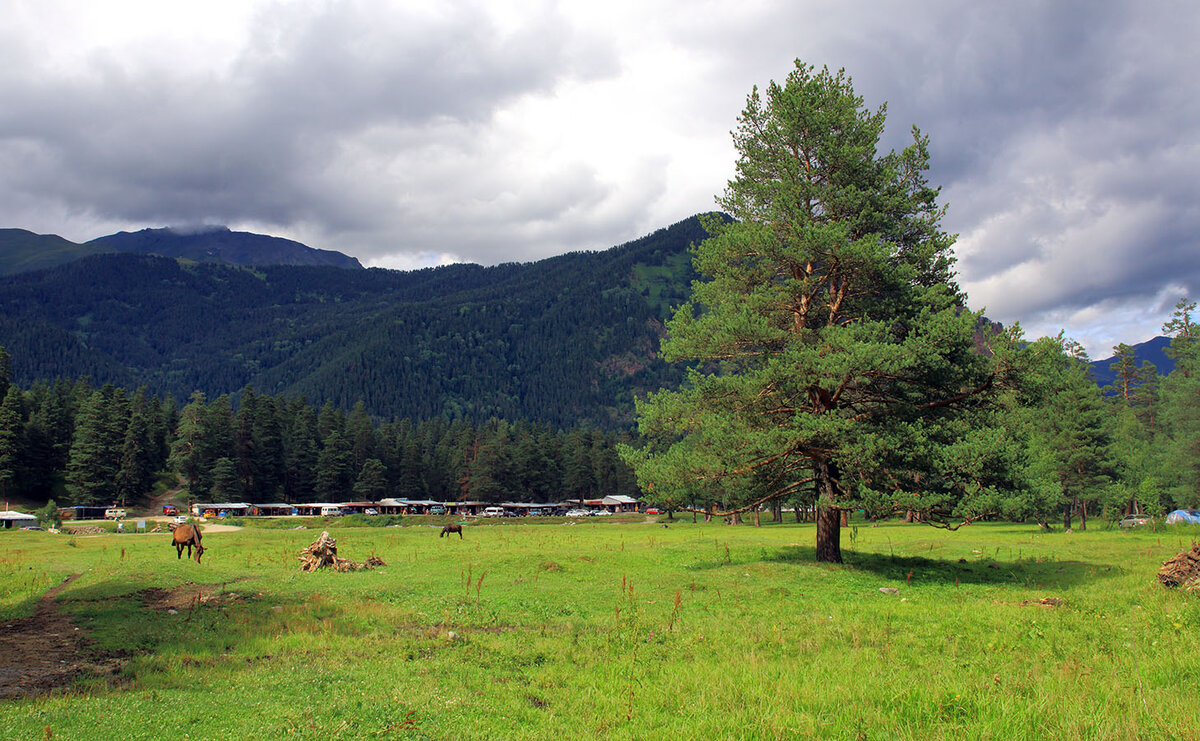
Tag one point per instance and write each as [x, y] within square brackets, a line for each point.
[214, 528]
[45, 651]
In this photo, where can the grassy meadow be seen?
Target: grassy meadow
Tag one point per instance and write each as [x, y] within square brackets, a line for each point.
[619, 630]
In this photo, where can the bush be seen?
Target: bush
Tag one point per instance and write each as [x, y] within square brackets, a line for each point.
[48, 516]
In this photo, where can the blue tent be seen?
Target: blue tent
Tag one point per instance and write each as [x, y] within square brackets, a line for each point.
[1184, 517]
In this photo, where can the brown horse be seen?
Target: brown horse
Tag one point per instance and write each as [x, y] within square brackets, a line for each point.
[451, 529]
[188, 535]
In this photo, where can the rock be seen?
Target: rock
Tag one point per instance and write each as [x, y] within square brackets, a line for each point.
[889, 590]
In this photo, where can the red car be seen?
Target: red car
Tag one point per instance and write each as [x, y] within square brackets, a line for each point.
[653, 511]
[170, 509]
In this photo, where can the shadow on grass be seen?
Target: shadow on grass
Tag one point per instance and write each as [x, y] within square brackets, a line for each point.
[1025, 572]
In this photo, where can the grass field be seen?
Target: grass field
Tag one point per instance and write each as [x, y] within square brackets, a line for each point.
[619, 630]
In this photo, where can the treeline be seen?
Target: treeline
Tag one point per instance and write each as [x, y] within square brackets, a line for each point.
[87, 446]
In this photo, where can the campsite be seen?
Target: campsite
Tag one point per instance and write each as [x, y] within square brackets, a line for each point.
[606, 628]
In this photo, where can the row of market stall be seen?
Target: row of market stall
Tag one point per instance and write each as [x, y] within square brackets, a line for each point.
[609, 505]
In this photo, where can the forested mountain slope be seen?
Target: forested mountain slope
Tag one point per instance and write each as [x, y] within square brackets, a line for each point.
[569, 340]
[21, 251]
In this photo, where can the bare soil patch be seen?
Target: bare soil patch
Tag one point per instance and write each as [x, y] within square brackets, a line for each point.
[187, 597]
[46, 652]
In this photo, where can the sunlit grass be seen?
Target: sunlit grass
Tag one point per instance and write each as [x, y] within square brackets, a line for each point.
[623, 631]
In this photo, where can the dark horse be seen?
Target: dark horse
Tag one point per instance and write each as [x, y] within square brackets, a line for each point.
[188, 535]
[451, 529]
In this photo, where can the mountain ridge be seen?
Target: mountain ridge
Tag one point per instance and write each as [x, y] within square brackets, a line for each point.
[23, 251]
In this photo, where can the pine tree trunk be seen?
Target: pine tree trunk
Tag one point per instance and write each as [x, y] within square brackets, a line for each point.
[757, 518]
[796, 511]
[1083, 516]
[829, 535]
[1067, 514]
[829, 517]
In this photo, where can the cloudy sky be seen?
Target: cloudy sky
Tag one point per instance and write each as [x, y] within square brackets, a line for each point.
[1066, 135]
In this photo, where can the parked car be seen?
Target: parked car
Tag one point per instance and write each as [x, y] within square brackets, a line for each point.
[370, 511]
[577, 513]
[1184, 517]
[653, 511]
[601, 513]
[331, 512]
[437, 509]
[1134, 521]
[493, 512]
[180, 519]
[170, 509]
[114, 513]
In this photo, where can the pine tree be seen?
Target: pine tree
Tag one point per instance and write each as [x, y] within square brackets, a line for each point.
[12, 440]
[334, 473]
[371, 485]
[138, 451]
[300, 458]
[95, 455]
[834, 349]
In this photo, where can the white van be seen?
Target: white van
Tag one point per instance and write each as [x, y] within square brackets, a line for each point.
[332, 511]
[114, 513]
[493, 512]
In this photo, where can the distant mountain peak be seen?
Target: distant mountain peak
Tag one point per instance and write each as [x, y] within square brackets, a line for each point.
[217, 243]
[192, 230]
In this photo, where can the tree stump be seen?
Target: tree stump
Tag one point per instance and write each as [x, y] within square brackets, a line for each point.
[323, 554]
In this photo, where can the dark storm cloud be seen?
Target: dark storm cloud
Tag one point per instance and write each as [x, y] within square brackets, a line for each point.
[260, 140]
[1064, 133]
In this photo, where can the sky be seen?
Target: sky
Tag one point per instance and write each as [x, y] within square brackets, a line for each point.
[1065, 134]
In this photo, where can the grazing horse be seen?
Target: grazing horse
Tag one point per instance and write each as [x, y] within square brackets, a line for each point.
[188, 535]
[451, 529]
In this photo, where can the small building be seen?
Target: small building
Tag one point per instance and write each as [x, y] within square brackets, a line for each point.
[275, 509]
[469, 509]
[11, 519]
[359, 508]
[619, 503]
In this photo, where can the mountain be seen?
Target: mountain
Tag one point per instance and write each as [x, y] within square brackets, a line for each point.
[221, 245]
[22, 250]
[568, 340]
[1151, 350]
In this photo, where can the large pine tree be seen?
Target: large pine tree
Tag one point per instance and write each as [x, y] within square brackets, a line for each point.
[830, 347]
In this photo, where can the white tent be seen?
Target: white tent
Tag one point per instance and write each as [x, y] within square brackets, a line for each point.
[18, 519]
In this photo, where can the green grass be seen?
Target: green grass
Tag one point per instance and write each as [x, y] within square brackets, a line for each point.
[622, 630]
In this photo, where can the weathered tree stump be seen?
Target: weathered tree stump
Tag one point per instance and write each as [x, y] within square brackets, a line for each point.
[323, 554]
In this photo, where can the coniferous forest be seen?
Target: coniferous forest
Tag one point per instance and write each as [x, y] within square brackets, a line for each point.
[83, 445]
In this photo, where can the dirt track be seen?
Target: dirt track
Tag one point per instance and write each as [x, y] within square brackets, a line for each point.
[45, 651]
